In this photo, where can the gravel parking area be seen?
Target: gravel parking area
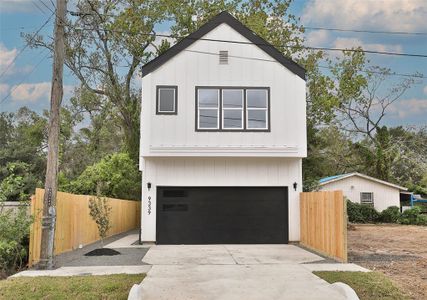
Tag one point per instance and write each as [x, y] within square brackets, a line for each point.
[131, 256]
[398, 251]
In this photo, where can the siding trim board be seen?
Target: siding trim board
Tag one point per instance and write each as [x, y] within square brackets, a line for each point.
[220, 108]
[224, 17]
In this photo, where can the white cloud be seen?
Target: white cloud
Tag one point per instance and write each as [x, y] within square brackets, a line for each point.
[32, 92]
[354, 43]
[408, 108]
[6, 57]
[4, 88]
[396, 15]
[317, 37]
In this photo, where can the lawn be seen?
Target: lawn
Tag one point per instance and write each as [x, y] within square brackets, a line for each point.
[371, 285]
[76, 287]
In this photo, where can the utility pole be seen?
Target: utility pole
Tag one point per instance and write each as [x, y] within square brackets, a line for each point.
[51, 182]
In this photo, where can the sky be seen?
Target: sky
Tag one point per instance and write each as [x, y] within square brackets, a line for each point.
[26, 74]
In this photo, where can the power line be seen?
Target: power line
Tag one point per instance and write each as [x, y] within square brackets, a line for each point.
[365, 31]
[25, 47]
[25, 78]
[44, 4]
[38, 7]
[324, 67]
[268, 45]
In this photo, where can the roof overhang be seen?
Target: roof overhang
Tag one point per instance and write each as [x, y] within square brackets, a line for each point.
[365, 177]
[223, 17]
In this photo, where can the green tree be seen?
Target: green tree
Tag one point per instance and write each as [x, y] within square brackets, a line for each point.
[364, 103]
[114, 176]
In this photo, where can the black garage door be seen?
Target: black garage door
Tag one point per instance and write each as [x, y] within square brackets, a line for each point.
[222, 215]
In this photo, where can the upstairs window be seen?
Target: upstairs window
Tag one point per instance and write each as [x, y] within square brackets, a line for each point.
[232, 109]
[257, 109]
[166, 103]
[367, 198]
[208, 109]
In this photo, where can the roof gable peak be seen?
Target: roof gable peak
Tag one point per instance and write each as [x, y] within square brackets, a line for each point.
[227, 18]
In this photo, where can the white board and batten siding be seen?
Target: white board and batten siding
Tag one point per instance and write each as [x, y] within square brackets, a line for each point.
[221, 171]
[175, 135]
[383, 195]
[174, 153]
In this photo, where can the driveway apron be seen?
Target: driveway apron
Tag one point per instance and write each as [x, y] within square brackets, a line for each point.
[208, 272]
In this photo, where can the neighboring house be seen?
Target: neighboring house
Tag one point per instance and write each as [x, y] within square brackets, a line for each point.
[360, 188]
[223, 134]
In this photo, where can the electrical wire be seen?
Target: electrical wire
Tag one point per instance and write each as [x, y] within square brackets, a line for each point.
[25, 78]
[25, 46]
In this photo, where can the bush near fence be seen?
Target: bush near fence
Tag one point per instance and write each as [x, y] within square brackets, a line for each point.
[74, 226]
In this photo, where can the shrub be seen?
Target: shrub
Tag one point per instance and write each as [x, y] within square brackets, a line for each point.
[359, 213]
[353, 212]
[390, 214]
[100, 211]
[412, 216]
[422, 220]
[114, 176]
[14, 231]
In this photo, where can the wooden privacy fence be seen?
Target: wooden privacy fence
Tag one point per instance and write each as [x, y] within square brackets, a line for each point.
[324, 223]
[74, 225]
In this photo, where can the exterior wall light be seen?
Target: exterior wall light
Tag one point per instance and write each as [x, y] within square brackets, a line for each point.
[295, 186]
[148, 185]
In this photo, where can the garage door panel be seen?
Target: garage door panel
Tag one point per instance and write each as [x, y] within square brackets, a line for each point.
[212, 215]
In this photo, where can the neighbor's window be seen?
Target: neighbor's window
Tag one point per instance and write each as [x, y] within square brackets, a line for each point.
[232, 109]
[257, 109]
[208, 108]
[166, 100]
[367, 198]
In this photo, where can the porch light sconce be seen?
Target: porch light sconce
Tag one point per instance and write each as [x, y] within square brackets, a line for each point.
[148, 185]
[295, 186]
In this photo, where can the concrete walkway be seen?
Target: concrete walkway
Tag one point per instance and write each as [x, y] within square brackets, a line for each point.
[208, 272]
[83, 271]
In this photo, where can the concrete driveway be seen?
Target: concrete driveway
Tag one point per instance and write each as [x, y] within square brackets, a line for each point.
[232, 272]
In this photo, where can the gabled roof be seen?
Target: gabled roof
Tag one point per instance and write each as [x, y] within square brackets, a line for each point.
[330, 179]
[224, 17]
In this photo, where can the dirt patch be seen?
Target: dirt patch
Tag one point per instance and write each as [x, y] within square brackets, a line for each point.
[398, 251]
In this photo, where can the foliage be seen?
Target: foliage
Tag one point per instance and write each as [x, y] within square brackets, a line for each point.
[71, 287]
[390, 215]
[100, 211]
[360, 213]
[413, 216]
[14, 231]
[18, 183]
[370, 285]
[22, 157]
[114, 176]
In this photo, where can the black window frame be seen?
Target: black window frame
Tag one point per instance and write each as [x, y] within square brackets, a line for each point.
[220, 108]
[175, 88]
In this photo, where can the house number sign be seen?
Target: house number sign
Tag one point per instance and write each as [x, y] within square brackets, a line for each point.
[149, 205]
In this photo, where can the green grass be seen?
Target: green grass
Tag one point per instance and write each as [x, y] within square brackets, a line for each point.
[371, 285]
[76, 287]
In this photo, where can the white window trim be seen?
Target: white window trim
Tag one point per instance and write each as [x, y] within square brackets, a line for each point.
[207, 108]
[159, 89]
[233, 108]
[266, 109]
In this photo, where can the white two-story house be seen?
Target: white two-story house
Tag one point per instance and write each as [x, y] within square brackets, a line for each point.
[223, 134]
